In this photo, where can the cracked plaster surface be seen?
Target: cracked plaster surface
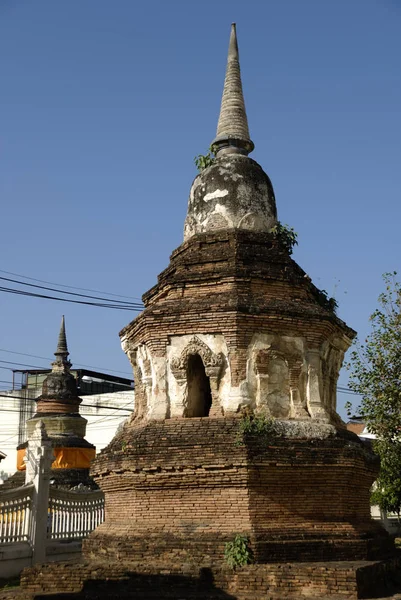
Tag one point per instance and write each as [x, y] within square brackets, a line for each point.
[233, 193]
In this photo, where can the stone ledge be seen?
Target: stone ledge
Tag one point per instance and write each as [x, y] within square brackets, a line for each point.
[346, 580]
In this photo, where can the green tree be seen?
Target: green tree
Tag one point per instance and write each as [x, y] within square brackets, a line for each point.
[386, 492]
[376, 375]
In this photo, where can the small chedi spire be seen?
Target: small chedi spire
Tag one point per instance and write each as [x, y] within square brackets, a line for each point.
[58, 408]
[232, 129]
[61, 352]
[60, 385]
[233, 192]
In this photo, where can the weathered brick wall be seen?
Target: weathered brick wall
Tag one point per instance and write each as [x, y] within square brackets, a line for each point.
[236, 282]
[238, 286]
[183, 487]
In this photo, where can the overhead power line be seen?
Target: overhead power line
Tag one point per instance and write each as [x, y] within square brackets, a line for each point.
[8, 362]
[345, 390]
[41, 287]
[83, 414]
[71, 287]
[87, 303]
[99, 369]
[103, 406]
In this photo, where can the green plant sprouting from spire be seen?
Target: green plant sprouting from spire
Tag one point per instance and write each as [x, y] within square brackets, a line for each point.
[203, 161]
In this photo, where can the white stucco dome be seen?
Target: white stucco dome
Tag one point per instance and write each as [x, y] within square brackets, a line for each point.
[233, 193]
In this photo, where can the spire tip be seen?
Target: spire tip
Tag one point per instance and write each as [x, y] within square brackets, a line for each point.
[232, 129]
[61, 352]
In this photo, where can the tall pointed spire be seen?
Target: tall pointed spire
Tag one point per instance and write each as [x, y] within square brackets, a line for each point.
[232, 129]
[61, 352]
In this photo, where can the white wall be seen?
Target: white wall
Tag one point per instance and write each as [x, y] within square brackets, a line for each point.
[103, 422]
[101, 410]
[9, 420]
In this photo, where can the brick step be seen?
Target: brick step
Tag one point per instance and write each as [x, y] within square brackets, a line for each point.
[133, 594]
[19, 594]
[286, 581]
[184, 595]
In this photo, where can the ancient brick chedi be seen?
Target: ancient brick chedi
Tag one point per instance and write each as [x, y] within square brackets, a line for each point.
[235, 330]
[233, 311]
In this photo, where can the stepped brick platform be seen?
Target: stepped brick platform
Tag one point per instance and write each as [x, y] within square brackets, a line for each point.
[178, 490]
[95, 581]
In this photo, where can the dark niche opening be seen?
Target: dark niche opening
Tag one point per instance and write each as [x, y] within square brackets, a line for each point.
[199, 394]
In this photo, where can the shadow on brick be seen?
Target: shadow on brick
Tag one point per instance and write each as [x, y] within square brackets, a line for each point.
[147, 587]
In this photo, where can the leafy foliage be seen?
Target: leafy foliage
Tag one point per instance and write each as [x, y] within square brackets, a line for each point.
[376, 375]
[387, 490]
[286, 236]
[238, 553]
[202, 161]
[376, 366]
[256, 425]
[326, 302]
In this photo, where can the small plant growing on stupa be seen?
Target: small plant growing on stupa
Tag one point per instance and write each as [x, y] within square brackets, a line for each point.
[260, 426]
[324, 300]
[203, 161]
[286, 236]
[238, 553]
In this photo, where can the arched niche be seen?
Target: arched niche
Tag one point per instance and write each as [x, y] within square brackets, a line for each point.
[199, 395]
[197, 371]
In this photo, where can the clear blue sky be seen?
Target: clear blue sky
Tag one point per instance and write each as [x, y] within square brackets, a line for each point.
[103, 106]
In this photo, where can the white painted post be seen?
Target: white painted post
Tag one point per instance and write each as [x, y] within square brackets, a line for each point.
[39, 457]
[384, 520]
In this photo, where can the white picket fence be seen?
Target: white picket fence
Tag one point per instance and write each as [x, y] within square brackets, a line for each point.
[39, 523]
[15, 514]
[71, 515]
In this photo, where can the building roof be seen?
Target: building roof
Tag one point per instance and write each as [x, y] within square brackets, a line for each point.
[357, 428]
[82, 373]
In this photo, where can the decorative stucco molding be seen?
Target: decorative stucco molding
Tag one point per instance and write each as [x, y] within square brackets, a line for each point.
[213, 363]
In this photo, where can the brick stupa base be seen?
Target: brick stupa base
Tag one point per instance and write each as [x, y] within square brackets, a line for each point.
[178, 490]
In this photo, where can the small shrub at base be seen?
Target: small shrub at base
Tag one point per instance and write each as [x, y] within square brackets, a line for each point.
[237, 553]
